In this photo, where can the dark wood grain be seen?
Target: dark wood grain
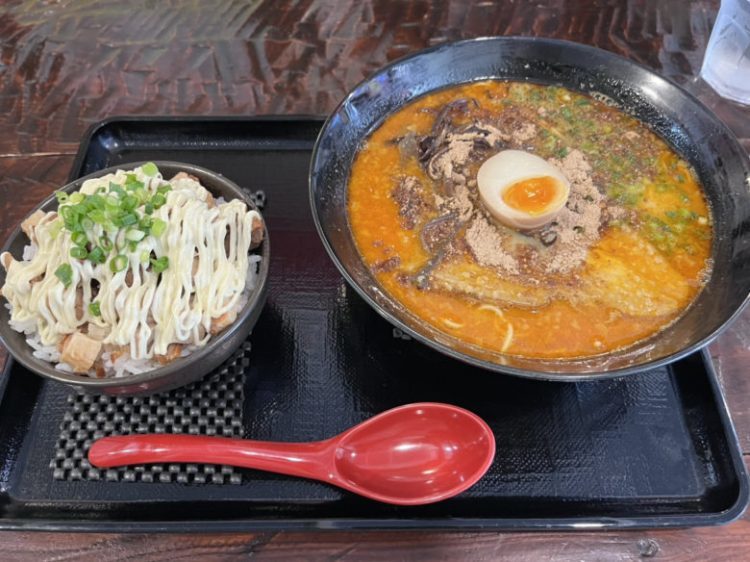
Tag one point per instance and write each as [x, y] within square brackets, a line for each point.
[67, 64]
[25, 182]
[698, 545]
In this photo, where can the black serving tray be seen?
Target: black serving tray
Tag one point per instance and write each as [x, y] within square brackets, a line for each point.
[655, 449]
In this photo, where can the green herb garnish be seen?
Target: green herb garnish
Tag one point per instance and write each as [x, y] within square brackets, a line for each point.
[158, 227]
[158, 200]
[149, 169]
[76, 198]
[128, 219]
[118, 263]
[118, 207]
[55, 228]
[97, 255]
[79, 238]
[78, 253]
[160, 264]
[145, 224]
[94, 309]
[135, 235]
[106, 243]
[65, 274]
[129, 203]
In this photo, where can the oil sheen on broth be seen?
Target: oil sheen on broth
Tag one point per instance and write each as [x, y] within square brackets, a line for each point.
[624, 258]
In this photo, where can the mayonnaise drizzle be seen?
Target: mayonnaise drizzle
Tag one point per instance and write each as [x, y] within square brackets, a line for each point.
[140, 309]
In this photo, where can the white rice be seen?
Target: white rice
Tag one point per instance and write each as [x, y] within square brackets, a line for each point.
[44, 352]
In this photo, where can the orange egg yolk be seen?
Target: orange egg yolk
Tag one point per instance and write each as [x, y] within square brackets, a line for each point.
[531, 196]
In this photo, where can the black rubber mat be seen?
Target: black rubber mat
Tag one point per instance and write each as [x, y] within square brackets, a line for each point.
[212, 406]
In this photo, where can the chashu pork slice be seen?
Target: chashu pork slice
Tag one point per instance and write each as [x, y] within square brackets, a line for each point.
[80, 351]
[485, 285]
[618, 276]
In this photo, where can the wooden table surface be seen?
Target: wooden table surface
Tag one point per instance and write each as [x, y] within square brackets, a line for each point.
[66, 64]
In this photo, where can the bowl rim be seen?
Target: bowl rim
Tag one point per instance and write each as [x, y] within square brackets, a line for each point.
[490, 366]
[255, 300]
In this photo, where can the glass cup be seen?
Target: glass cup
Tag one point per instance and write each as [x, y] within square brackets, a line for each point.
[726, 64]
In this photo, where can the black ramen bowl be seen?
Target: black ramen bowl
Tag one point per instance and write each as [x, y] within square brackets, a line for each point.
[679, 118]
[181, 371]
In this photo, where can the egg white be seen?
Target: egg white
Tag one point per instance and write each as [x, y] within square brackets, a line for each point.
[508, 167]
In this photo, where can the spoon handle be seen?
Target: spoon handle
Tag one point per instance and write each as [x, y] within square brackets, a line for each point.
[309, 460]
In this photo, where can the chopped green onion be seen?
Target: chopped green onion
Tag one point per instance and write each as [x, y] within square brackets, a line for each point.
[94, 202]
[97, 216]
[75, 212]
[135, 235]
[158, 227]
[118, 263]
[160, 264]
[94, 309]
[67, 213]
[78, 252]
[111, 230]
[106, 243]
[142, 195]
[117, 211]
[129, 219]
[129, 202]
[97, 255]
[115, 188]
[149, 169]
[132, 183]
[76, 198]
[158, 200]
[79, 238]
[55, 228]
[65, 274]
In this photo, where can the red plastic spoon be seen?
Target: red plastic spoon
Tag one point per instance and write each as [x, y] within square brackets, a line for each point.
[411, 455]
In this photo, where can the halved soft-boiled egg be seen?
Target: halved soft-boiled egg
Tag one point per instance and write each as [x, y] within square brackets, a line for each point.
[521, 189]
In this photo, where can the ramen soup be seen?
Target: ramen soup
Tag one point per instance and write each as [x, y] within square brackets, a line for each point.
[530, 220]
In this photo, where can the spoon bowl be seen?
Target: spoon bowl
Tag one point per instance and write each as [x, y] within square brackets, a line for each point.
[416, 453]
[411, 455]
